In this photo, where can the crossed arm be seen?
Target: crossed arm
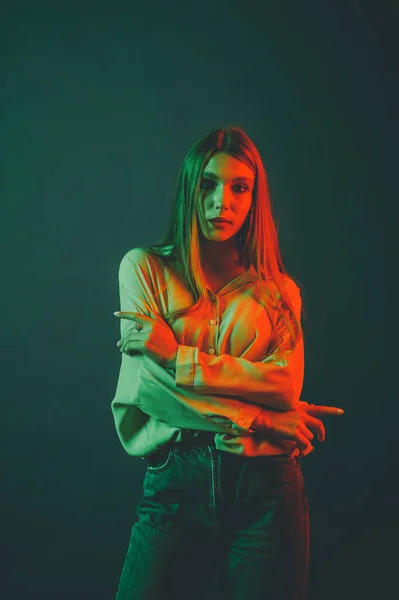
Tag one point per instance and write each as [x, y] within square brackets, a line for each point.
[228, 390]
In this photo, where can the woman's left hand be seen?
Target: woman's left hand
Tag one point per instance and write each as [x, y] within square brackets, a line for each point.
[155, 339]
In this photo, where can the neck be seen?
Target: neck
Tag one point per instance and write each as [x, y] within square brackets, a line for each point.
[219, 257]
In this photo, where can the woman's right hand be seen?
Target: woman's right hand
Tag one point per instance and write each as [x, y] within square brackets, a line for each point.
[295, 424]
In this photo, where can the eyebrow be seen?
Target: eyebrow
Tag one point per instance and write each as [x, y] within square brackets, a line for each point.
[214, 176]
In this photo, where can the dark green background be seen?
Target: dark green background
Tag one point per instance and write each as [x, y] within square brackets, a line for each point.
[99, 105]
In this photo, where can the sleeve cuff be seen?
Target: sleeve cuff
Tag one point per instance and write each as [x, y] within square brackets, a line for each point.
[245, 416]
[186, 359]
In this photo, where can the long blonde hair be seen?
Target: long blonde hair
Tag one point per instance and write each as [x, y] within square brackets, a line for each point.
[256, 242]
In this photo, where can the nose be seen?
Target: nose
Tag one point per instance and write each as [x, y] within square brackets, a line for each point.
[221, 197]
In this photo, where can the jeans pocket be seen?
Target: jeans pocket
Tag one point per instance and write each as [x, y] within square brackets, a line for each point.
[159, 460]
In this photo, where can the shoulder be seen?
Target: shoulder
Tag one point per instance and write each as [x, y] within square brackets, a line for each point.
[134, 267]
[291, 286]
[291, 289]
[139, 259]
[135, 255]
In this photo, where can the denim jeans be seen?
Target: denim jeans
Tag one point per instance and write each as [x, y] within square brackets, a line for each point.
[204, 512]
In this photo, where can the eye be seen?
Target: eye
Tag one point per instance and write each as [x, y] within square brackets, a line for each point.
[242, 186]
[207, 183]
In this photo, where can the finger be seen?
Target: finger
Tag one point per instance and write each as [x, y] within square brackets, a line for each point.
[131, 351]
[124, 314]
[319, 411]
[305, 431]
[303, 442]
[127, 345]
[304, 404]
[132, 347]
[306, 451]
[318, 425]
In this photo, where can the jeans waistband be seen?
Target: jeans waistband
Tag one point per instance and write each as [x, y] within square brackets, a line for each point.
[207, 438]
[204, 438]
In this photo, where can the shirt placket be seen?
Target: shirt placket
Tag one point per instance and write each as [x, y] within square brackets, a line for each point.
[213, 341]
[240, 425]
[214, 323]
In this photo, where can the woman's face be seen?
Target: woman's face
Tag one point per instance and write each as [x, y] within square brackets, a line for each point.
[226, 191]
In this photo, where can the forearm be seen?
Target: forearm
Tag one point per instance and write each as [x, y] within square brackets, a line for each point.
[159, 396]
[270, 383]
[267, 401]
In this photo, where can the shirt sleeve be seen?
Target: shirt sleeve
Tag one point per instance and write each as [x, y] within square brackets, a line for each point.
[270, 382]
[160, 397]
[145, 385]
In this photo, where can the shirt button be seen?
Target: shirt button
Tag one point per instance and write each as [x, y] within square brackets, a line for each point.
[212, 321]
[211, 351]
[241, 422]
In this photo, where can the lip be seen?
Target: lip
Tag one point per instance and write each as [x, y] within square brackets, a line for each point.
[219, 223]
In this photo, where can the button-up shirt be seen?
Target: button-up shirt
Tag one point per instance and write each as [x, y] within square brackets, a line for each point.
[226, 372]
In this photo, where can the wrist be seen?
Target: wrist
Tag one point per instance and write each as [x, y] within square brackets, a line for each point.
[262, 421]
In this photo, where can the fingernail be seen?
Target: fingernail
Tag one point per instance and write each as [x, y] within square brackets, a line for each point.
[340, 411]
[118, 343]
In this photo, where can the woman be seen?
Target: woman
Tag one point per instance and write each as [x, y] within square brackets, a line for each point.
[209, 391]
